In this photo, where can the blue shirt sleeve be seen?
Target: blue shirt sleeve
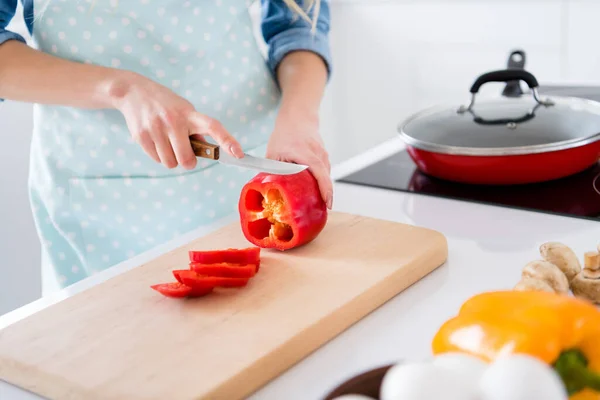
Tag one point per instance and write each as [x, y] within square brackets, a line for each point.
[284, 31]
[7, 12]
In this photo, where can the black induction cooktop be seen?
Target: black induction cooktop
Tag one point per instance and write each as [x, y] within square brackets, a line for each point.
[574, 196]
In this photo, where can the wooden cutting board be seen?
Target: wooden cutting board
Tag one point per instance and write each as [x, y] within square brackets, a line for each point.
[122, 340]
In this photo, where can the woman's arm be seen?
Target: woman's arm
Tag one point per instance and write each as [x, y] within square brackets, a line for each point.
[286, 32]
[301, 62]
[299, 58]
[158, 119]
[32, 76]
[302, 76]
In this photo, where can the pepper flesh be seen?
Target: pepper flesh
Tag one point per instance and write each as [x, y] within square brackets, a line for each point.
[250, 255]
[204, 282]
[282, 211]
[229, 268]
[561, 330]
[225, 270]
[172, 289]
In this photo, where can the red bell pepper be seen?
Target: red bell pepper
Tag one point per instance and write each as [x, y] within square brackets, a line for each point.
[282, 211]
[250, 255]
[172, 289]
[230, 268]
[201, 283]
[185, 277]
[225, 270]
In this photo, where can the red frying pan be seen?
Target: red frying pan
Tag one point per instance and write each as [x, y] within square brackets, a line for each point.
[506, 140]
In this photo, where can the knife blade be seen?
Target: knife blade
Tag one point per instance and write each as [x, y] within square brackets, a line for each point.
[212, 152]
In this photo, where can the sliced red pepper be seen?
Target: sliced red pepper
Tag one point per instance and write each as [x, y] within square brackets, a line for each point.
[225, 270]
[250, 255]
[282, 211]
[186, 277]
[201, 283]
[177, 274]
[172, 289]
[199, 292]
[228, 282]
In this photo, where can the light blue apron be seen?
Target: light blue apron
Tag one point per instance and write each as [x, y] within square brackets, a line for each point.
[98, 199]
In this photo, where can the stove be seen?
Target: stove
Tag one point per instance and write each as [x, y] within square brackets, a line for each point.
[576, 196]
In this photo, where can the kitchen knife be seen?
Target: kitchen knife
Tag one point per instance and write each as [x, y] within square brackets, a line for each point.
[212, 152]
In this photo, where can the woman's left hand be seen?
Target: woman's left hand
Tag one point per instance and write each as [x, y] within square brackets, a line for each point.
[296, 139]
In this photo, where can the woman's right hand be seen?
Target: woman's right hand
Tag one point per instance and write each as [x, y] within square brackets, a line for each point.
[162, 122]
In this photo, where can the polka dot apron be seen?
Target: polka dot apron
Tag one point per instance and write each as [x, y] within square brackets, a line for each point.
[98, 199]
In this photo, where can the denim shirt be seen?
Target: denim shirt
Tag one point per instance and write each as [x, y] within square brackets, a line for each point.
[282, 30]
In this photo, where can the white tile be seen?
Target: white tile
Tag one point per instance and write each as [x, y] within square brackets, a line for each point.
[514, 23]
[583, 55]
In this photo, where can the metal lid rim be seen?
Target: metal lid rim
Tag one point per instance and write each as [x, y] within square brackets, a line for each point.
[492, 151]
[501, 151]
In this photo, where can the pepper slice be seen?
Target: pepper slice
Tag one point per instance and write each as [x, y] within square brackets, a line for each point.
[229, 268]
[560, 330]
[225, 270]
[172, 289]
[186, 277]
[200, 283]
[282, 211]
[250, 255]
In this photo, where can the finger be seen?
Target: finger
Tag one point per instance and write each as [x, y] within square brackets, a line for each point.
[321, 174]
[317, 167]
[180, 141]
[318, 148]
[146, 143]
[325, 159]
[165, 151]
[208, 126]
[163, 145]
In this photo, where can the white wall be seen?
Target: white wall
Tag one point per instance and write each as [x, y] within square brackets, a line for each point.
[391, 58]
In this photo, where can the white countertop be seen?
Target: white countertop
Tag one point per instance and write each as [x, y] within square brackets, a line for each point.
[488, 247]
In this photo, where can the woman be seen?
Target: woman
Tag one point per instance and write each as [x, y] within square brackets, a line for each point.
[119, 86]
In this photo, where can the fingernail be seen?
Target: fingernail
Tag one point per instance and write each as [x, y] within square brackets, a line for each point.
[330, 200]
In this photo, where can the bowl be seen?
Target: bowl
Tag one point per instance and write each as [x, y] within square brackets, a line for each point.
[367, 383]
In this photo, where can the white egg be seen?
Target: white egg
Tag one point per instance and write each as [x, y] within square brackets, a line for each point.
[425, 381]
[353, 397]
[521, 377]
[470, 368]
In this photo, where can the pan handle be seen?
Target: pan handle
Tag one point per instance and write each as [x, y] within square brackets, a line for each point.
[516, 60]
[505, 75]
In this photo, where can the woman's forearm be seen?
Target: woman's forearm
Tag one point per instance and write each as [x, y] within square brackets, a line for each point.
[302, 76]
[32, 76]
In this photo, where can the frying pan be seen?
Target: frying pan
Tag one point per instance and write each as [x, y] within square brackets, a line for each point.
[514, 138]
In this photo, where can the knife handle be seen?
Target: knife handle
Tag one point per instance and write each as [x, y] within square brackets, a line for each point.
[205, 150]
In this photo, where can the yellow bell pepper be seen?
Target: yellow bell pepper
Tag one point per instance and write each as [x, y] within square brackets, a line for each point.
[561, 330]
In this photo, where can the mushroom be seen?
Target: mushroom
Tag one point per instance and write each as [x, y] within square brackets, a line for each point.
[549, 273]
[586, 285]
[563, 257]
[533, 284]
[591, 274]
[591, 260]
